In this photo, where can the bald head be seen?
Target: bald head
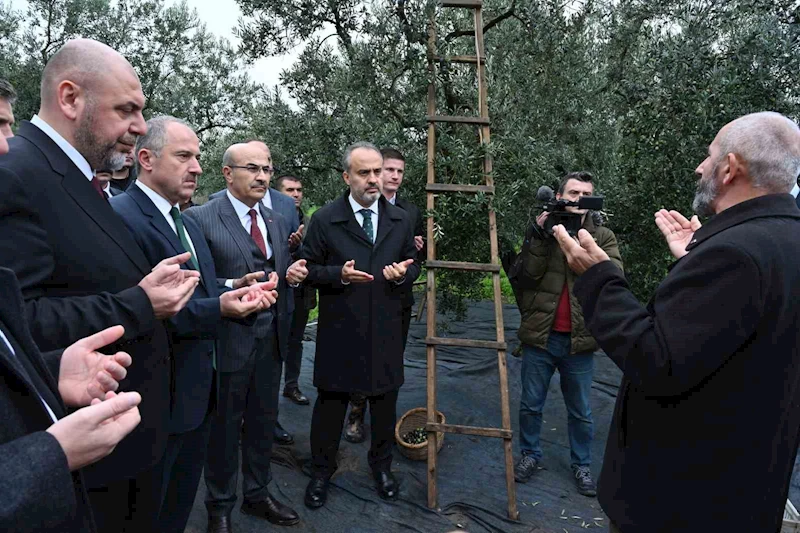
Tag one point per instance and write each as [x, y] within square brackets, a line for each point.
[92, 97]
[82, 62]
[769, 144]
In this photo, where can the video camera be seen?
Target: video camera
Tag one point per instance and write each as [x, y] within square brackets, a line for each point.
[558, 210]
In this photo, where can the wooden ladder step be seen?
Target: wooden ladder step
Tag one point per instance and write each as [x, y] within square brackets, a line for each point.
[461, 59]
[472, 4]
[458, 265]
[470, 430]
[481, 121]
[459, 187]
[465, 343]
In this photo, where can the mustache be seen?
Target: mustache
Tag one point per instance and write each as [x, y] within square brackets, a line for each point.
[258, 183]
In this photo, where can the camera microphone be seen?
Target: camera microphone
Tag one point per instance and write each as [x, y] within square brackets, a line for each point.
[545, 194]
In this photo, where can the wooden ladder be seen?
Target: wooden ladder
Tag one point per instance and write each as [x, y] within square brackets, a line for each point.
[433, 189]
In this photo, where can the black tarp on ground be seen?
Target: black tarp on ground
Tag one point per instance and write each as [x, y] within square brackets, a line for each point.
[471, 477]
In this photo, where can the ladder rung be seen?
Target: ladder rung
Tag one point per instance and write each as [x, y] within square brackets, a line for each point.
[458, 187]
[470, 430]
[458, 265]
[465, 343]
[463, 3]
[460, 59]
[459, 120]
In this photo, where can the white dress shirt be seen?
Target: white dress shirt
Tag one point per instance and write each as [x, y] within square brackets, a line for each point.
[164, 207]
[13, 353]
[107, 189]
[393, 199]
[66, 147]
[795, 190]
[360, 218]
[267, 200]
[243, 212]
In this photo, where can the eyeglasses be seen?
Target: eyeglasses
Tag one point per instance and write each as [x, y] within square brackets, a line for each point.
[255, 169]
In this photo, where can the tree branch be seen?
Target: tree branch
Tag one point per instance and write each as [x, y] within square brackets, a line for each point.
[511, 12]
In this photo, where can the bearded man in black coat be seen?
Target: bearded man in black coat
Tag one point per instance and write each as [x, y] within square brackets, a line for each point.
[707, 418]
[360, 256]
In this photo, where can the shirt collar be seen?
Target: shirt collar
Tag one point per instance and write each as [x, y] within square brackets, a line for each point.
[74, 155]
[161, 203]
[393, 199]
[107, 188]
[795, 190]
[358, 207]
[242, 211]
[267, 200]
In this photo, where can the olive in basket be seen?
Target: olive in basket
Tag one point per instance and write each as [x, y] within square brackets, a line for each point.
[417, 436]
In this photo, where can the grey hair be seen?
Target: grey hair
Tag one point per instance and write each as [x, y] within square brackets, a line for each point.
[7, 92]
[348, 152]
[227, 158]
[156, 137]
[770, 144]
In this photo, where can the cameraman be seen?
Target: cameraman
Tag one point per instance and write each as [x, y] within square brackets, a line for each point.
[554, 336]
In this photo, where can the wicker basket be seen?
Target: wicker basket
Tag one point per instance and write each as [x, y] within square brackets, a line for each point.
[410, 421]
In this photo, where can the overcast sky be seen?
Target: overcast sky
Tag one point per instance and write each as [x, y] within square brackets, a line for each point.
[220, 16]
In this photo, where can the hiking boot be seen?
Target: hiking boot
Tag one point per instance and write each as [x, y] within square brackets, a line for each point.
[584, 481]
[526, 467]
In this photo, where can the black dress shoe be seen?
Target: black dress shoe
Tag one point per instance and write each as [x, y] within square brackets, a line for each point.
[281, 435]
[296, 396]
[317, 492]
[271, 509]
[386, 485]
[220, 524]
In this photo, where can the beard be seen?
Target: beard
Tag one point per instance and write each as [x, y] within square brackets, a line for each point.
[368, 197]
[99, 154]
[707, 191]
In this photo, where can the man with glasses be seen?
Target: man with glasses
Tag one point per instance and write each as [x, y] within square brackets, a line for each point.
[244, 237]
[279, 203]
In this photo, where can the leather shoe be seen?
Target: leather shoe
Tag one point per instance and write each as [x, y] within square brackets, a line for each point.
[220, 524]
[317, 492]
[272, 510]
[386, 485]
[296, 396]
[281, 435]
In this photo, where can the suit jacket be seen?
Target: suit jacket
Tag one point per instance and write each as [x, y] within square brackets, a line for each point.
[708, 412]
[232, 249]
[194, 329]
[281, 204]
[39, 492]
[359, 335]
[416, 218]
[79, 269]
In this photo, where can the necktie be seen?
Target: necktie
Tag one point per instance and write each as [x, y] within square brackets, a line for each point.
[99, 188]
[255, 233]
[367, 225]
[181, 230]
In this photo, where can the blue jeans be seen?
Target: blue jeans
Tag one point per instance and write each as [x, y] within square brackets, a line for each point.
[576, 383]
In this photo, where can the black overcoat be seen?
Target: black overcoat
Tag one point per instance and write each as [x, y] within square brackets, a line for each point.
[707, 420]
[359, 336]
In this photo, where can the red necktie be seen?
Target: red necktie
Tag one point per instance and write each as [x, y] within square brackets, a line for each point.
[255, 233]
[99, 188]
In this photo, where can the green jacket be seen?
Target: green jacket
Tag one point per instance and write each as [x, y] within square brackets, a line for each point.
[545, 268]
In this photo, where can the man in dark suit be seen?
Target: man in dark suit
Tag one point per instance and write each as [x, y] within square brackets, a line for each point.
[244, 236]
[168, 171]
[394, 167]
[280, 204]
[360, 252]
[305, 299]
[41, 449]
[708, 411]
[79, 268]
